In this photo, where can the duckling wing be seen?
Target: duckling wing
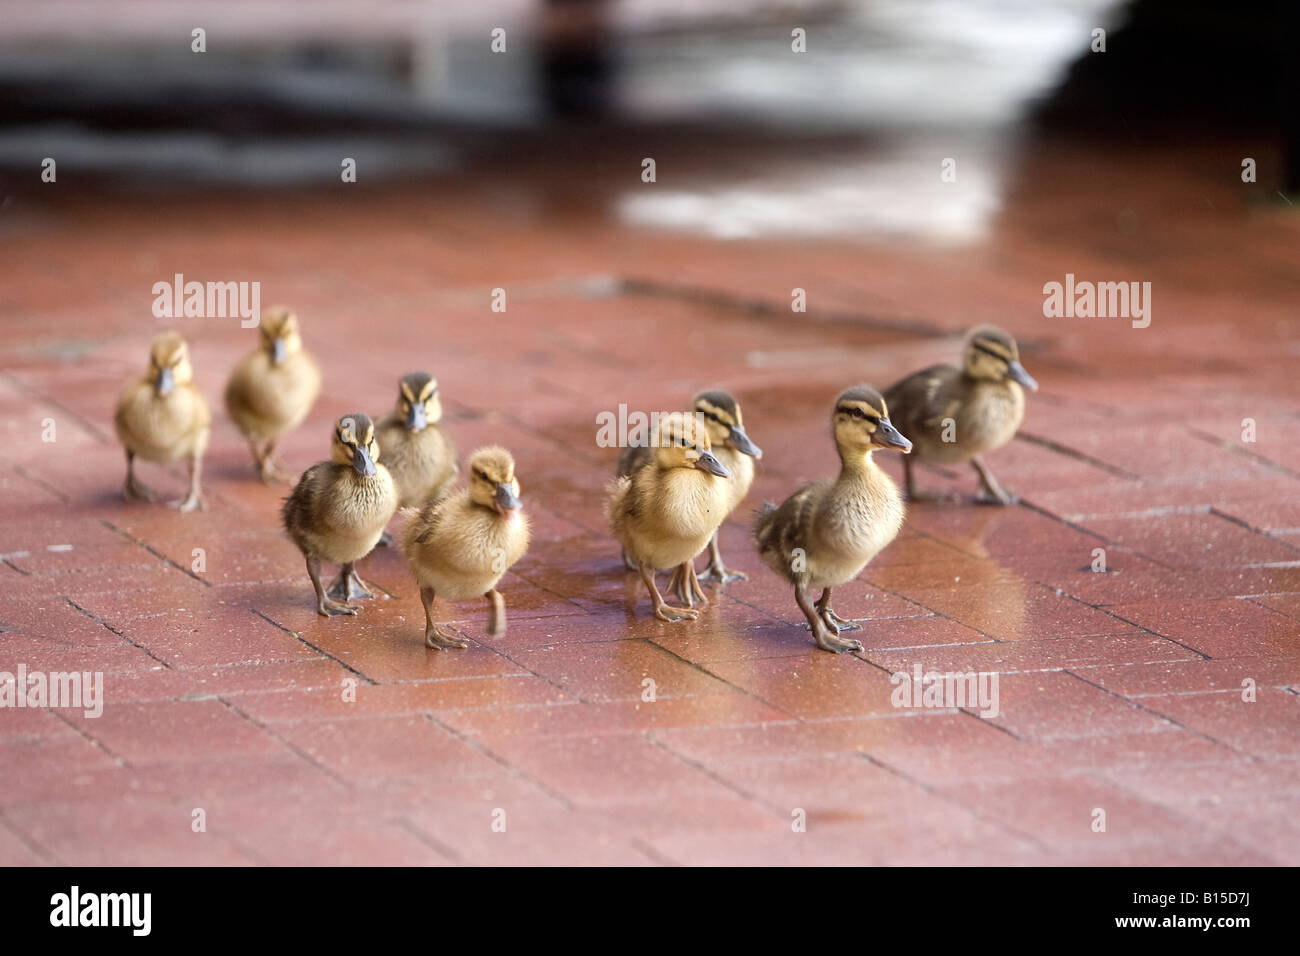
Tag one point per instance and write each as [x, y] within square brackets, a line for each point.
[778, 531]
[303, 505]
[632, 459]
[922, 400]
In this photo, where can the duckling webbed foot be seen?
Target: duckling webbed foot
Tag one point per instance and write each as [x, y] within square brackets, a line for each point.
[271, 471]
[663, 610]
[348, 586]
[821, 632]
[922, 496]
[435, 635]
[990, 491]
[193, 501]
[324, 606]
[716, 570]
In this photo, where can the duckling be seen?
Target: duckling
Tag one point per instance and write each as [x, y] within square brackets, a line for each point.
[338, 510]
[824, 534]
[460, 546]
[954, 415]
[419, 455]
[271, 391]
[731, 446]
[163, 417]
[665, 513]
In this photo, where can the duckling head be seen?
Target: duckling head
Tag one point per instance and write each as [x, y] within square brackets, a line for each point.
[492, 481]
[991, 355]
[417, 400]
[861, 422]
[280, 337]
[169, 363]
[682, 441]
[723, 422]
[354, 443]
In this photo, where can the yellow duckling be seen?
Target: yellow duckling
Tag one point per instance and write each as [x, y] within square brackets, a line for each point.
[419, 455]
[338, 510]
[732, 446]
[271, 391]
[665, 513]
[162, 417]
[824, 534]
[459, 546]
[953, 415]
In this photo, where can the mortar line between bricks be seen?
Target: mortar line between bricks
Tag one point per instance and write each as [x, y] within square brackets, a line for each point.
[429, 840]
[496, 758]
[94, 741]
[980, 815]
[654, 855]
[765, 309]
[290, 745]
[704, 670]
[1155, 713]
[34, 845]
[699, 765]
[542, 677]
[152, 550]
[112, 630]
[1232, 519]
[1236, 449]
[1255, 601]
[1141, 627]
[319, 650]
[41, 483]
[26, 574]
[62, 409]
[1077, 455]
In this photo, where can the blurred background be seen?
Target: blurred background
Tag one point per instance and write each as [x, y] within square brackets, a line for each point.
[841, 138]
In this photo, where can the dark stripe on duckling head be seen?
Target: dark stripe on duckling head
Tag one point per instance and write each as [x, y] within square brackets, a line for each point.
[718, 406]
[991, 340]
[356, 429]
[862, 401]
[418, 386]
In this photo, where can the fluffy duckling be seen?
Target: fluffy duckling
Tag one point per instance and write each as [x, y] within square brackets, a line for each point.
[460, 546]
[419, 455]
[162, 417]
[338, 510]
[824, 534]
[953, 415]
[271, 391]
[731, 446]
[665, 513]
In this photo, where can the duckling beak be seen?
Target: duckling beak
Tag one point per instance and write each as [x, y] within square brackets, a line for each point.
[416, 419]
[506, 499]
[740, 441]
[165, 382]
[706, 462]
[888, 436]
[279, 351]
[1016, 372]
[362, 462]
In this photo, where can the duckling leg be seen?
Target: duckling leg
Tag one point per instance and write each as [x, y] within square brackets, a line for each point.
[913, 493]
[194, 500]
[348, 586]
[716, 570]
[324, 605]
[834, 622]
[272, 473]
[693, 582]
[134, 489]
[496, 613]
[662, 610]
[434, 635]
[821, 634]
[990, 491]
[628, 561]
